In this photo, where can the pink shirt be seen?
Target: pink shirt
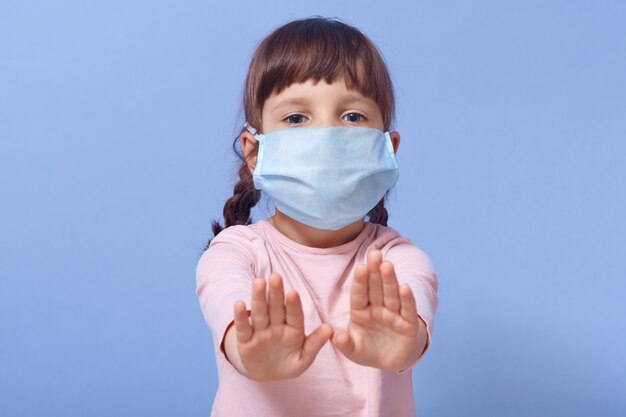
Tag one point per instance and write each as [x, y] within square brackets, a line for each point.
[333, 385]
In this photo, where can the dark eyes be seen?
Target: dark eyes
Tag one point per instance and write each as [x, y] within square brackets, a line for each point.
[357, 115]
[294, 119]
[297, 118]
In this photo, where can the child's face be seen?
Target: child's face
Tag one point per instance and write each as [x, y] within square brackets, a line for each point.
[320, 104]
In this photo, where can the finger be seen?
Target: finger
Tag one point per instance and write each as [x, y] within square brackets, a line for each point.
[374, 259]
[260, 318]
[343, 341]
[242, 323]
[315, 341]
[359, 297]
[293, 314]
[277, 301]
[408, 309]
[391, 295]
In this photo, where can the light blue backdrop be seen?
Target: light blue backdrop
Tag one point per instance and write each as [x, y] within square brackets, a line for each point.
[116, 121]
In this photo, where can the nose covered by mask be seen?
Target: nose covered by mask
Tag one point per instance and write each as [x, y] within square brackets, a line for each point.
[325, 176]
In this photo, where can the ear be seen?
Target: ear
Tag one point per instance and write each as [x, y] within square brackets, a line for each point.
[250, 147]
[395, 140]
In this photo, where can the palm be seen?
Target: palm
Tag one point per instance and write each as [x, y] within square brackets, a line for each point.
[272, 344]
[383, 327]
[273, 348]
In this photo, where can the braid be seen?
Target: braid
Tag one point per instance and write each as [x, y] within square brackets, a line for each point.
[237, 208]
[379, 213]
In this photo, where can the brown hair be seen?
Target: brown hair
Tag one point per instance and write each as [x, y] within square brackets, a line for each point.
[310, 48]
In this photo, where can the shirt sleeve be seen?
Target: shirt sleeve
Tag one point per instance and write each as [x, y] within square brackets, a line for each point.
[413, 267]
[224, 274]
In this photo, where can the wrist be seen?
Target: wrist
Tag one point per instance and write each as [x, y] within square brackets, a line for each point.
[419, 347]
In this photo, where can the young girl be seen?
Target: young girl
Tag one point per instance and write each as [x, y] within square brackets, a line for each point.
[350, 304]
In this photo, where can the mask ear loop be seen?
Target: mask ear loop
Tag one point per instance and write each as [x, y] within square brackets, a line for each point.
[249, 127]
[261, 151]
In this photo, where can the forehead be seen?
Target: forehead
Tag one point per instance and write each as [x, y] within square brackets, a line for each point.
[310, 92]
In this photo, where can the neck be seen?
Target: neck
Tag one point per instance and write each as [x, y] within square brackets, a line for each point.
[312, 237]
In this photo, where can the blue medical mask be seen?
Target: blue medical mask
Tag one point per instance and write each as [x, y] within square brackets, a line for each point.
[325, 176]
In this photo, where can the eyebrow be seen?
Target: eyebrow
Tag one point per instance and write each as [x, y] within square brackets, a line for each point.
[350, 98]
[291, 101]
[355, 99]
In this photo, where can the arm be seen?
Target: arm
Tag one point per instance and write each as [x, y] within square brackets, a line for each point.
[224, 273]
[230, 349]
[266, 342]
[386, 330]
[414, 268]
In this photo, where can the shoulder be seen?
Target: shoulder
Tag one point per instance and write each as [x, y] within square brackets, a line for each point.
[399, 248]
[386, 238]
[235, 242]
[242, 236]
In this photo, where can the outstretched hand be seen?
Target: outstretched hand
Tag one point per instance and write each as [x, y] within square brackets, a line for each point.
[384, 326]
[274, 346]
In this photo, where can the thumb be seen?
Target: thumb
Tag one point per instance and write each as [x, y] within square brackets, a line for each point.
[344, 342]
[314, 342]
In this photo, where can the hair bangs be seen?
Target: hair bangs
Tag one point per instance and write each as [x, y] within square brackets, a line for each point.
[316, 49]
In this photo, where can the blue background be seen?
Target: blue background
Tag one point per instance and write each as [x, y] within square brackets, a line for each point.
[116, 121]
